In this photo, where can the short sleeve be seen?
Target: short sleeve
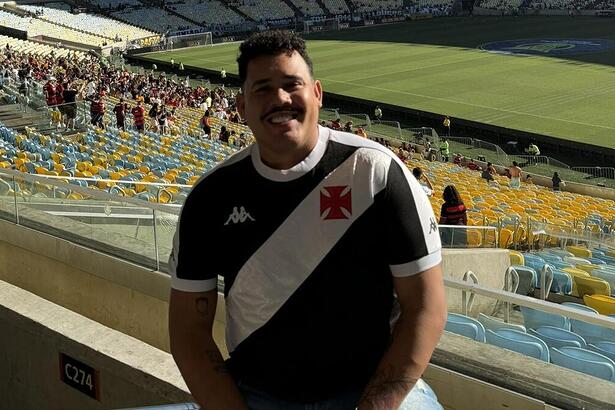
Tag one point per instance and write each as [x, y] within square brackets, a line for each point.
[413, 239]
[189, 272]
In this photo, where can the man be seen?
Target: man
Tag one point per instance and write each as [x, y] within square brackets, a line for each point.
[120, 113]
[138, 114]
[423, 180]
[97, 110]
[49, 89]
[447, 125]
[326, 226]
[378, 113]
[515, 175]
[223, 75]
[444, 150]
[70, 110]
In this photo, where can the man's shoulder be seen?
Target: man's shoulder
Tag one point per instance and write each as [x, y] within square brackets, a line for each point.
[366, 146]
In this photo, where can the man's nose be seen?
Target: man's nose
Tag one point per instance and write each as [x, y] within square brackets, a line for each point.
[282, 96]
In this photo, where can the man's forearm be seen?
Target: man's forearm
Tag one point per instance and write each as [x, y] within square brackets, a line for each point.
[203, 369]
[413, 342]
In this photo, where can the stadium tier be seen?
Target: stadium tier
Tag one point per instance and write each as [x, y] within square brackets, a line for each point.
[501, 4]
[265, 10]
[38, 27]
[210, 13]
[152, 18]
[97, 25]
[38, 49]
[363, 6]
[336, 6]
[309, 8]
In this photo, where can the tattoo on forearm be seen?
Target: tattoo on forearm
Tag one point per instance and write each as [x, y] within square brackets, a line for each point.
[385, 388]
[202, 306]
[217, 361]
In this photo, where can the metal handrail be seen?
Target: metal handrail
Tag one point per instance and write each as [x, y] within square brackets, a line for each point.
[542, 305]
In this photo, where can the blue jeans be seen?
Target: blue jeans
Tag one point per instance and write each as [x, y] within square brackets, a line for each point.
[258, 400]
[420, 398]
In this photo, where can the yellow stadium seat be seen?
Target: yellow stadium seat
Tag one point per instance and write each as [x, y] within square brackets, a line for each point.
[591, 286]
[506, 238]
[605, 305]
[587, 267]
[516, 258]
[474, 238]
[579, 251]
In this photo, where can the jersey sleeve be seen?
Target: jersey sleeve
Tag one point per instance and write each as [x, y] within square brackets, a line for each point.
[187, 266]
[412, 236]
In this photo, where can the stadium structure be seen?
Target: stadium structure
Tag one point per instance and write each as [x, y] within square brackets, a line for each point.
[88, 209]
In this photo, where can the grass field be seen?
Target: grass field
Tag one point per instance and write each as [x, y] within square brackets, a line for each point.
[436, 65]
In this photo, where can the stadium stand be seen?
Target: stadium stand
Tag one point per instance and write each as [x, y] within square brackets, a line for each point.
[363, 6]
[504, 5]
[152, 18]
[266, 11]
[115, 4]
[337, 6]
[37, 49]
[571, 4]
[309, 8]
[97, 25]
[211, 13]
[37, 27]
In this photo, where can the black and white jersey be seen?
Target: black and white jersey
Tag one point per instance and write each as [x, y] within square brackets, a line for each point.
[308, 257]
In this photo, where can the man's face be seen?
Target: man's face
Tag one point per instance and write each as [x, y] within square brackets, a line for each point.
[280, 103]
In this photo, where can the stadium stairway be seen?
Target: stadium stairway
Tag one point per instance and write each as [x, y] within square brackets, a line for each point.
[236, 9]
[324, 7]
[292, 5]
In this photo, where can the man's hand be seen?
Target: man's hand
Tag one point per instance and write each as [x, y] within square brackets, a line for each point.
[416, 334]
[191, 318]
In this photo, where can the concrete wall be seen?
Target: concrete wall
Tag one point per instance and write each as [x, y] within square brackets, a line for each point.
[489, 266]
[33, 332]
[134, 300]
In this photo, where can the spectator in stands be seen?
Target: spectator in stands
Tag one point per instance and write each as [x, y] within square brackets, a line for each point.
[153, 117]
[487, 175]
[163, 120]
[472, 165]
[70, 99]
[491, 169]
[423, 180]
[120, 110]
[532, 149]
[361, 132]
[283, 282]
[224, 134]
[336, 124]
[97, 110]
[528, 179]
[378, 113]
[447, 125]
[50, 93]
[453, 212]
[206, 123]
[557, 182]
[515, 175]
[348, 127]
[457, 159]
[60, 102]
[138, 113]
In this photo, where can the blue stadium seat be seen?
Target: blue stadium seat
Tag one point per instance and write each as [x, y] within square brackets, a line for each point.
[527, 279]
[534, 319]
[579, 306]
[605, 348]
[592, 333]
[556, 337]
[465, 326]
[584, 361]
[562, 282]
[519, 342]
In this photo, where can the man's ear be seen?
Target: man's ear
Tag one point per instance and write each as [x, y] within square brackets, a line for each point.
[241, 104]
[318, 92]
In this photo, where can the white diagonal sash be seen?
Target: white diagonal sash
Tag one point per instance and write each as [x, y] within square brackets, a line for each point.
[277, 269]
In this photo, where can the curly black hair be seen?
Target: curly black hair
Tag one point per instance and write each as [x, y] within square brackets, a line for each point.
[270, 43]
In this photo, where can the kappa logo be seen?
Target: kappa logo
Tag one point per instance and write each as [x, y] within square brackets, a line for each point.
[433, 226]
[239, 216]
[335, 202]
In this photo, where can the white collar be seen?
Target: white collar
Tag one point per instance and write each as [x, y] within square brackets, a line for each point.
[303, 167]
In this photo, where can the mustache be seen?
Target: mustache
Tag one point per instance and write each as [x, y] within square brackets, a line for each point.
[282, 109]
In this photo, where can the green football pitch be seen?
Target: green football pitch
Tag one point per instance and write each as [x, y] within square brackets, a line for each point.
[561, 89]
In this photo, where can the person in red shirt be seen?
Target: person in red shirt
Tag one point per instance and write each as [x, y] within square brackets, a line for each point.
[120, 113]
[453, 212]
[138, 113]
[97, 111]
[60, 102]
[50, 92]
